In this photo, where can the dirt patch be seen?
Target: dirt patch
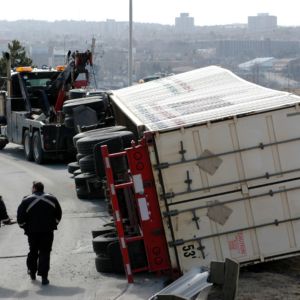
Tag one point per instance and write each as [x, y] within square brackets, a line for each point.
[271, 280]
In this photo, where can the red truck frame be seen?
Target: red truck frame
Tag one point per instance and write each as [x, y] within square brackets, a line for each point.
[150, 225]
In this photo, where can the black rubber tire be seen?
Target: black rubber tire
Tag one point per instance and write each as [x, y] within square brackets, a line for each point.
[118, 164]
[96, 92]
[77, 93]
[38, 153]
[97, 132]
[77, 172]
[83, 193]
[100, 230]
[80, 156]
[96, 104]
[80, 100]
[87, 164]
[2, 146]
[72, 167]
[27, 143]
[80, 180]
[86, 145]
[69, 121]
[101, 243]
[103, 264]
[116, 258]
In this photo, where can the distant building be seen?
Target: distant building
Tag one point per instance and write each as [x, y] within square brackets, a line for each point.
[111, 27]
[264, 47]
[38, 49]
[262, 22]
[288, 65]
[58, 58]
[4, 45]
[263, 62]
[184, 23]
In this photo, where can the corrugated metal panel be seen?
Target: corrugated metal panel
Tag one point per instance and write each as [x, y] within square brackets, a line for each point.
[196, 97]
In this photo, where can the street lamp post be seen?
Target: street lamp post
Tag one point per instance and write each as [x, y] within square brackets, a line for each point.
[130, 45]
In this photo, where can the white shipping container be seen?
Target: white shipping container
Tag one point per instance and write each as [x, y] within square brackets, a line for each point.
[241, 202]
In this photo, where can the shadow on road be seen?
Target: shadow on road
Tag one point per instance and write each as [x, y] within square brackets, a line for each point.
[54, 290]
[7, 293]
[16, 153]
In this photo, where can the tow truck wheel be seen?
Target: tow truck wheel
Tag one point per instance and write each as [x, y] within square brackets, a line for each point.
[28, 146]
[38, 153]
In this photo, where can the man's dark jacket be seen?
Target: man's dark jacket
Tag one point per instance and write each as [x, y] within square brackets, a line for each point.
[39, 212]
[3, 213]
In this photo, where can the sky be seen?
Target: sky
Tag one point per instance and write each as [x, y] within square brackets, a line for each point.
[153, 11]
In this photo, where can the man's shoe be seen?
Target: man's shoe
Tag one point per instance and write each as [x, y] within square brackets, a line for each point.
[32, 275]
[45, 280]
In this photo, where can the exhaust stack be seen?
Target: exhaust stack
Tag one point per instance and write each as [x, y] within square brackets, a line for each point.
[8, 82]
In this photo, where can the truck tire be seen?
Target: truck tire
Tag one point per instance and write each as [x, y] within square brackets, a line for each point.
[80, 180]
[103, 264]
[95, 104]
[80, 156]
[100, 230]
[77, 172]
[101, 243]
[116, 258]
[96, 92]
[87, 164]
[69, 121]
[72, 167]
[28, 146]
[83, 193]
[97, 132]
[86, 145]
[2, 146]
[77, 93]
[118, 164]
[38, 153]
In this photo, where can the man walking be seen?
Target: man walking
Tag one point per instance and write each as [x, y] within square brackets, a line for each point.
[3, 214]
[39, 215]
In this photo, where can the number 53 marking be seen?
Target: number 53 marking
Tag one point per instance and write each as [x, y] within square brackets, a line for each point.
[186, 250]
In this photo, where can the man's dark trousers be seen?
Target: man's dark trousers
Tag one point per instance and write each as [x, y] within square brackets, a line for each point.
[40, 247]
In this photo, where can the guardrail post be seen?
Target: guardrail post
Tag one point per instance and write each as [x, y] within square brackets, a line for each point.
[231, 279]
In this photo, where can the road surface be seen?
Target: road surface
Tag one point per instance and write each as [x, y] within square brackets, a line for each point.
[73, 274]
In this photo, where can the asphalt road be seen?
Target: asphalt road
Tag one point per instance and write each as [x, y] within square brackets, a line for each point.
[73, 274]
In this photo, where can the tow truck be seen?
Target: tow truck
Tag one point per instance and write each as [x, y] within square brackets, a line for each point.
[31, 114]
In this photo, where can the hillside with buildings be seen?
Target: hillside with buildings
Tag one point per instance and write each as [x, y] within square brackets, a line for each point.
[163, 48]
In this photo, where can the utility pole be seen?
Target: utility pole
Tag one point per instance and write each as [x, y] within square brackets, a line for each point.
[130, 45]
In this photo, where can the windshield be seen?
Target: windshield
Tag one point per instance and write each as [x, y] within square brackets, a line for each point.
[38, 82]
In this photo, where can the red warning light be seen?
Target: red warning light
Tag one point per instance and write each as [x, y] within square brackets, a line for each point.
[158, 260]
[47, 145]
[138, 155]
[140, 166]
[156, 250]
[47, 137]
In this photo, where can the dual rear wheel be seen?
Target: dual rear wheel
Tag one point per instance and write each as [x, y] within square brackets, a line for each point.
[33, 147]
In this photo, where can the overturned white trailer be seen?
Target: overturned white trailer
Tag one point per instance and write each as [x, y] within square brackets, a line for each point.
[225, 161]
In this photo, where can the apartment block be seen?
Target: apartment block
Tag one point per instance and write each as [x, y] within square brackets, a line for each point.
[262, 22]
